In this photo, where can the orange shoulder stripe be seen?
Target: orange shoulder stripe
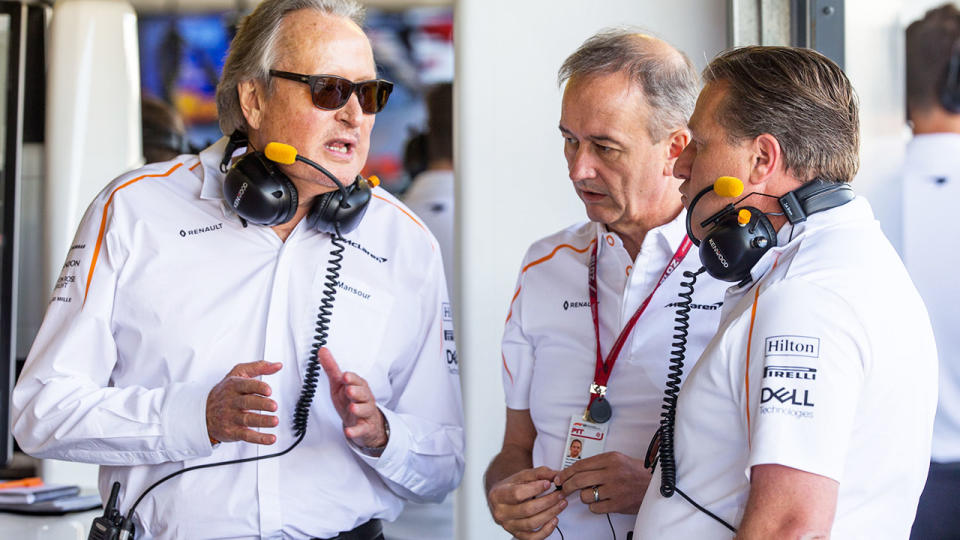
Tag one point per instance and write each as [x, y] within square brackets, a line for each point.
[103, 223]
[527, 267]
[746, 372]
[409, 215]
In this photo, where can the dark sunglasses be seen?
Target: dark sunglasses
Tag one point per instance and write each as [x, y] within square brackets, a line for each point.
[330, 92]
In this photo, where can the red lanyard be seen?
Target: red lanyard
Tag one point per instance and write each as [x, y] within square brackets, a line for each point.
[602, 373]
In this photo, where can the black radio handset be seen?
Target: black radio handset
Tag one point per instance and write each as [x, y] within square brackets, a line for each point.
[664, 453]
[338, 210]
[111, 525]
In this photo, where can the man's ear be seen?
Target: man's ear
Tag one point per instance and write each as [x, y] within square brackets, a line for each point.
[251, 102]
[767, 158]
[676, 142]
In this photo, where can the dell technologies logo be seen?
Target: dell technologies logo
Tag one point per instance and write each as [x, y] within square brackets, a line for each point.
[716, 251]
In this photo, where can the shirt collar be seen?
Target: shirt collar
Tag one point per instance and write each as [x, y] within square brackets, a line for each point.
[666, 237]
[210, 175]
[790, 236]
[926, 153]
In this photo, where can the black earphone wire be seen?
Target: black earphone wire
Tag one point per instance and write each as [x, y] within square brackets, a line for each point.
[666, 457]
[311, 376]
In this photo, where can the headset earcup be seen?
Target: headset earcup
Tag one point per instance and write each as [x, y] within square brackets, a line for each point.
[950, 91]
[259, 192]
[729, 250]
[328, 213]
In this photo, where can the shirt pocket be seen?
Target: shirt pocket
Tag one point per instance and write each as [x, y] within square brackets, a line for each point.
[358, 318]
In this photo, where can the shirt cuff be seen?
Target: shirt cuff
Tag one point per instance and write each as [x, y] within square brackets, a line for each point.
[184, 420]
[391, 461]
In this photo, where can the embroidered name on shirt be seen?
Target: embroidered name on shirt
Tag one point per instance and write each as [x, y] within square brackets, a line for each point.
[353, 290]
[200, 230]
[792, 346]
[360, 247]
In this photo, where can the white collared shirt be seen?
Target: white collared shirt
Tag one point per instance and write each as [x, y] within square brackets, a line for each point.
[549, 346]
[838, 380]
[931, 189]
[431, 198]
[164, 291]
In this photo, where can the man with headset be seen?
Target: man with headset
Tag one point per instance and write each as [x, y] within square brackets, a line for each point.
[625, 105]
[931, 179]
[185, 322]
[809, 416]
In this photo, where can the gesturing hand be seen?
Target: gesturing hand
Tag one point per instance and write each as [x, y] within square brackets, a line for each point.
[620, 481]
[514, 506]
[229, 404]
[363, 423]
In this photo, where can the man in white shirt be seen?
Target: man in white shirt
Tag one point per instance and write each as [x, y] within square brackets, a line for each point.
[809, 414]
[931, 188]
[431, 194]
[192, 305]
[625, 105]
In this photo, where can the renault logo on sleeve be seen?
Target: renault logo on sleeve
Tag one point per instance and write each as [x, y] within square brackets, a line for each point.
[571, 304]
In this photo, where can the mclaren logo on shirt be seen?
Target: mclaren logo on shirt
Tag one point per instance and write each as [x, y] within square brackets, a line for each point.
[705, 307]
[573, 304]
[200, 230]
[363, 250]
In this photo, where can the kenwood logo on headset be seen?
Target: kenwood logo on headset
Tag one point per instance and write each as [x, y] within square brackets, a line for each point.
[720, 256]
[243, 189]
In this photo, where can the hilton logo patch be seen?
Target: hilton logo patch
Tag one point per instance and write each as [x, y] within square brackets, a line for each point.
[792, 346]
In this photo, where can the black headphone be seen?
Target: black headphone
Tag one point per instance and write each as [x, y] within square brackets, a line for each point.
[738, 237]
[950, 93]
[261, 193]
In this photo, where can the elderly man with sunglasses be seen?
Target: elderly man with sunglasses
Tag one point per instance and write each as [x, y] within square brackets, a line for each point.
[184, 326]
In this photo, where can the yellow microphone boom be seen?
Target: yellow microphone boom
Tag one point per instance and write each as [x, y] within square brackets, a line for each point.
[280, 153]
[727, 186]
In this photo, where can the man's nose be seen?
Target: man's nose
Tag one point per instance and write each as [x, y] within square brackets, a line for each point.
[581, 164]
[351, 113]
[681, 168]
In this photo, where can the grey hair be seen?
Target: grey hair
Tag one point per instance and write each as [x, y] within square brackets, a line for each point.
[665, 75]
[253, 50]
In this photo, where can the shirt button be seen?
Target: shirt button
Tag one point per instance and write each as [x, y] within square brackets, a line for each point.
[610, 239]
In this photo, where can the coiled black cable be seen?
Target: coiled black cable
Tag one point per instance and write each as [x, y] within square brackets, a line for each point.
[311, 376]
[668, 464]
[668, 417]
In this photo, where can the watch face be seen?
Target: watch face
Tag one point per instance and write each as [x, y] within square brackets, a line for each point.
[600, 410]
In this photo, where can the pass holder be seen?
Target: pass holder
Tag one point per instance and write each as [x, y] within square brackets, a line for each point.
[599, 410]
[584, 439]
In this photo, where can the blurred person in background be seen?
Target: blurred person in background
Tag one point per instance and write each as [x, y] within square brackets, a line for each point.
[931, 186]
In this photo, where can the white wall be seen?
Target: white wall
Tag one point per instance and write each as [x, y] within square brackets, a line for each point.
[876, 67]
[512, 180]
